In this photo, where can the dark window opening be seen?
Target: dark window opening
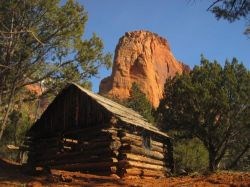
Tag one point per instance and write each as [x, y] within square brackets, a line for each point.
[146, 140]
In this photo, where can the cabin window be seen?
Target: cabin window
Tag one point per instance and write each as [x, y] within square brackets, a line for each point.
[146, 140]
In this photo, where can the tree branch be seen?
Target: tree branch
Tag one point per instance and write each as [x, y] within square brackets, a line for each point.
[215, 2]
[232, 165]
[27, 31]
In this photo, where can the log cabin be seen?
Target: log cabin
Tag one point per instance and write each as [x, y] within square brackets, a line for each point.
[83, 131]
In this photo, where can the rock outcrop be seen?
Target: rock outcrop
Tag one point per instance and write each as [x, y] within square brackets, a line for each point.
[144, 58]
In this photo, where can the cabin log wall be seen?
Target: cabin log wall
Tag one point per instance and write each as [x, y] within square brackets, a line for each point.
[76, 133]
[78, 151]
[136, 160]
[107, 150]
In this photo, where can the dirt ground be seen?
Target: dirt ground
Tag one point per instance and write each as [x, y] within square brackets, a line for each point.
[12, 174]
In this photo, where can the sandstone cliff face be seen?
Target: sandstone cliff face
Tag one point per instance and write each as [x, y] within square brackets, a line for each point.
[145, 58]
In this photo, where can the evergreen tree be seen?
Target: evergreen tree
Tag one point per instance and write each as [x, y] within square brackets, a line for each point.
[139, 102]
[232, 10]
[212, 103]
[42, 42]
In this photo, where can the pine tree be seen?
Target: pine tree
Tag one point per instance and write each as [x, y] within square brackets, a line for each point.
[139, 102]
[232, 10]
[212, 103]
[42, 42]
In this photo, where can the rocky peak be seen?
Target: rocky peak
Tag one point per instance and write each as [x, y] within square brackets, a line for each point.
[144, 58]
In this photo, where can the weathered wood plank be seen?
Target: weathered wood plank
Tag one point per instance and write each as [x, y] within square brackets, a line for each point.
[139, 138]
[92, 134]
[133, 157]
[84, 166]
[45, 140]
[91, 152]
[42, 152]
[71, 141]
[141, 151]
[130, 164]
[114, 145]
[139, 143]
[81, 146]
[96, 128]
[72, 160]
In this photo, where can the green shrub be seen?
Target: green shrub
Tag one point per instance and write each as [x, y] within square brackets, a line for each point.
[190, 155]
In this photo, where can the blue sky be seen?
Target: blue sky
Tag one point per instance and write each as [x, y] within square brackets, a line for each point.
[188, 27]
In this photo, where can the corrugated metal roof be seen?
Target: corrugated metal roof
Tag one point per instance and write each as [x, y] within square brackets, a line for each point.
[121, 112]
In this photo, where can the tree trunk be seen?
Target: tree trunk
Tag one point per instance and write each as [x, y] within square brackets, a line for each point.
[234, 163]
[13, 89]
[212, 159]
[5, 119]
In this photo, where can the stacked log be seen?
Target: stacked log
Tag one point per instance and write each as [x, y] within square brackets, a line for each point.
[84, 132]
[102, 150]
[89, 150]
[137, 160]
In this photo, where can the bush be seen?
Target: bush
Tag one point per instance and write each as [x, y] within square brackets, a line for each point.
[18, 124]
[190, 155]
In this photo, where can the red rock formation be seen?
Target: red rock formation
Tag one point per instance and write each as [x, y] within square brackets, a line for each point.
[145, 58]
[35, 89]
